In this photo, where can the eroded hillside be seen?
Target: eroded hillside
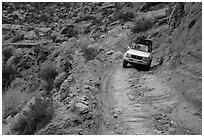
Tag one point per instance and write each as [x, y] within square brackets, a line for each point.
[62, 71]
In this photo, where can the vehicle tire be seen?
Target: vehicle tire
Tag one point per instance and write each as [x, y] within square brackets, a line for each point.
[125, 64]
[147, 67]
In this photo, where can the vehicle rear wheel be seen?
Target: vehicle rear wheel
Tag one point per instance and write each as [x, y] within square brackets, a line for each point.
[125, 64]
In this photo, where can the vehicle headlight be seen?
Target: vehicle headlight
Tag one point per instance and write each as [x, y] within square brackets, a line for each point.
[146, 58]
[128, 55]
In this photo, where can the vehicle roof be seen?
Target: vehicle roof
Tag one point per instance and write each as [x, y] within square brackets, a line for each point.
[143, 41]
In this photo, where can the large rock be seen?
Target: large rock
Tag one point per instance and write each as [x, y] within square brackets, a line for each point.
[59, 79]
[80, 107]
[32, 35]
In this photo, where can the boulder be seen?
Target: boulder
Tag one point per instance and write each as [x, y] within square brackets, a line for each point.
[59, 79]
[80, 107]
[32, 35]
[172, 130]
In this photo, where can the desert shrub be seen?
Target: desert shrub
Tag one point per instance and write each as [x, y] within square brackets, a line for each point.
[8, 52]
[41, 53]
[64, 57]
[35, 115]
[8, 75]
[142, 26]
[13, 101]
[69, 31]
[47, 73]
[127, 16]
[28, 86]
[89, 52]
[63, 63]
[9, 71]
[17, 37]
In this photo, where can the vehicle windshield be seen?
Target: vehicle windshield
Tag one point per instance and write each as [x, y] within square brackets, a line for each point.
[140, 47]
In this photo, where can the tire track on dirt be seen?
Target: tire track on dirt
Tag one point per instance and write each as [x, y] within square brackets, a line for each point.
[133, 100]
[118, 111]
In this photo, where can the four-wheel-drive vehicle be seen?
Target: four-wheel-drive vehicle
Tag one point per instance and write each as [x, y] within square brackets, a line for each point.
[140, 52]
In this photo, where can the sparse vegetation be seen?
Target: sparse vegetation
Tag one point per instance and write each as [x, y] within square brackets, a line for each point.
[8, 75]
[142, 26]
[8, 52]
[14, 100]
[89, 52]
[48, 73]
[127, 16]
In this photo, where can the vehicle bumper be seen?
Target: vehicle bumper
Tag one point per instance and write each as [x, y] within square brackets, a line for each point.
[136, 61]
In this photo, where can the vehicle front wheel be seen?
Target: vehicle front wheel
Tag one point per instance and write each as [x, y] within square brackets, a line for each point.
[125, 64]
[147, 67]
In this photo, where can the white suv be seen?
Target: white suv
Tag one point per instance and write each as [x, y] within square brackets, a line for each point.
[139, 53]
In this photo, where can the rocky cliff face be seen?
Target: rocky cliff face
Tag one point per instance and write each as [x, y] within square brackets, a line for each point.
[184, 51]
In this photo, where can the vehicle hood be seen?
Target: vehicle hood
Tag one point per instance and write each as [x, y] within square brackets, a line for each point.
[138, 53]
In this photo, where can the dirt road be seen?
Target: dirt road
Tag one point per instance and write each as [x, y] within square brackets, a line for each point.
[142, 103]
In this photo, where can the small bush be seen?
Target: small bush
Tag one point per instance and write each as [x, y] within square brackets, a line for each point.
[8, 75]
[89, 53]
[142, 26]
[63, 63]
[13, 101]
[8, 52]
[17, 38]
[9, 71]
[70, 31]
[48, 73]
[41, 53]
[128, 16]
[64, 57]
[36, 114]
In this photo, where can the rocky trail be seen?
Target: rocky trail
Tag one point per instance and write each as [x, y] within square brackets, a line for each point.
[139, 103]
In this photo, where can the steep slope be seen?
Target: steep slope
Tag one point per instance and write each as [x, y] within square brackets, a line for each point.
[184, 54]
